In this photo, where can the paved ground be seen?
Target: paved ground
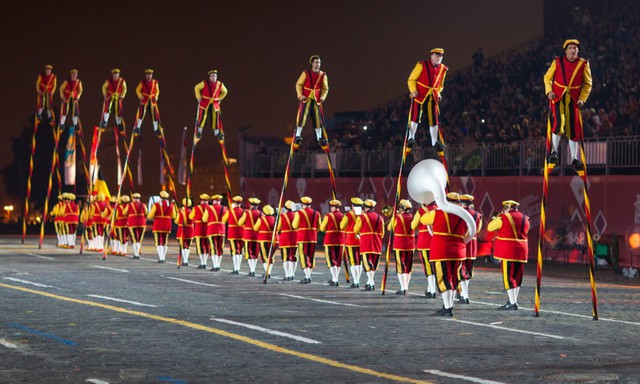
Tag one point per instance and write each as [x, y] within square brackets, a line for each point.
[70, 318]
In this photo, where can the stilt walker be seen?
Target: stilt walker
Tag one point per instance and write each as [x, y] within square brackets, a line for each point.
[568, 83]
[45, 87]
[54, 162]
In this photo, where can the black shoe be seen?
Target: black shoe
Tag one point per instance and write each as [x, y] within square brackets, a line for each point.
[322, 142]
[305, 281]
[353, 285]
[286, 278]
[159, 261]
[332, 283]
[370, 288]
[251, 274]
[410, 143]
[136, 131]
[463, 301]
[212, 269]
[337, 284]
[220, 136]
[401, 292]
[297, 140]
[439, 147]
[198, 133]
[103, 125]
[445, 312]
[121, 128]
[577, 165]
[509, 307]
[233, 273]
[158, 133]
[553, 157]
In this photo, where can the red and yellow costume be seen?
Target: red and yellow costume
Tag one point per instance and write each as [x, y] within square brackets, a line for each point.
[114, 91]
[264, 227]
[250, 237]
[70, 93]
[184, 234]
[287, 235]
[370, 227]
[403, 242]
[45, 87]
[315, 87]
[466, 270]
[203, 246]
[216, 217]
[570, 81]
[511, 245]
[235, 231]
[148, 92]
[209, 95]
[306, 223]
[351, 240]
[137, 222]
[162, 212]
[334, 238]
[423, 241]
[428, 81]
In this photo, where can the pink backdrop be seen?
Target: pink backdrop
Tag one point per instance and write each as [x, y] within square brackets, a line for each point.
[615, 204]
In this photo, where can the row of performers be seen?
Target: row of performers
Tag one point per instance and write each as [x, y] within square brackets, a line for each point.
[356, 235]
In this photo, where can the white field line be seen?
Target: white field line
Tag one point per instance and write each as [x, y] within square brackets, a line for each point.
[123, 301]
[267, 330]
[320, 301]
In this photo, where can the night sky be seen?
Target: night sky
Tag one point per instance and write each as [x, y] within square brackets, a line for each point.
[368, 49]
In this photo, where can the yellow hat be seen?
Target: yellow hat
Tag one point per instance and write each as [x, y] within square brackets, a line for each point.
[71, 196]
[135, 195]
[438, 50]
[237, 199]
[466, 197]
[356, 201]
[187, 202]
[115, 70]
[313, 58]
[510, 203]
[73, 70]
[370, 203]
[406, 204]
[60, 196]
[164, 194]
[268, 210]
[125, 199]
[100, 196]
[306, 200]
[216, 197]
[213, 71]
[254, 200]
[148, 70]
[335, 203]
[453, 196]
[112, 199]
[288, 204]
[205, 197]
[570, 41]
[48, 66]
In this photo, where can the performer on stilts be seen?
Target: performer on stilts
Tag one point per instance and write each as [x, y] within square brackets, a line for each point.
[370, 227]
[403, 244]
[184, 235]
[162, 213]
[511, 246]
[333, 240]
[216, 216]
[137, 222]
[70, 93]
[114, 90]
[312, 88]
[264, 226]
[288, 241]
[306, 223]
[210, 93]
[567, 85]
[235, 232]
[352, 240]
[45, 87]
[423, 245]
[466, 269]
[200, 230]
[148, 91]
[426, 83]
[250, 237]
[447, 250]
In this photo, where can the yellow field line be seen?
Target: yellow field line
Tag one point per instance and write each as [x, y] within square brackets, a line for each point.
[235, 336]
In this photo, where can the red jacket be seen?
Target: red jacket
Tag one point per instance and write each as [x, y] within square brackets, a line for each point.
[448, 234]
[371, 233]
[333, 235]
[162, 218]
[288, 235]
[403, 236]
[235, 231]
[511, 243]
[137, 212]
[308, 225]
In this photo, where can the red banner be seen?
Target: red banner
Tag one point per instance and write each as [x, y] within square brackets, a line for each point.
[615, 204]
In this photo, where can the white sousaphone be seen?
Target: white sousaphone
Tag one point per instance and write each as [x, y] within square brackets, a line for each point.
[426, 183]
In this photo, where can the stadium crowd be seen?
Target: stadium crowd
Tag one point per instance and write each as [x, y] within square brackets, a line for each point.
[501, 99]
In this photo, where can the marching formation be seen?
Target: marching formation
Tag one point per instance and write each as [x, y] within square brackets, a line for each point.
[444, 238]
